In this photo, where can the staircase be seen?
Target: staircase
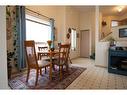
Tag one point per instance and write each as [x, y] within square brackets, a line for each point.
[105, 37]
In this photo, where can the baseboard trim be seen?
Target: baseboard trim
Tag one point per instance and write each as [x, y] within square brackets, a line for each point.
[100, 66]
[75, 57]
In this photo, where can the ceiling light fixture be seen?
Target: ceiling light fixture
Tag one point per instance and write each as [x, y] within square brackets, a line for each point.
[120, 8]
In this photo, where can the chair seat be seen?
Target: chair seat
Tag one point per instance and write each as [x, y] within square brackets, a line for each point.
[43, 63]
[45, 58]
[48, 59]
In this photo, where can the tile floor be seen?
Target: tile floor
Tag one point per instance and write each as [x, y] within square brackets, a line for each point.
[96, 77]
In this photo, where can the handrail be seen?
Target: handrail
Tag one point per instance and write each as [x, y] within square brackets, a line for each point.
[106, 35]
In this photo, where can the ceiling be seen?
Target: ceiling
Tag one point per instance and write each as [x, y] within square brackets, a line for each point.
[84, 8]
[112, 10]
[106, 10]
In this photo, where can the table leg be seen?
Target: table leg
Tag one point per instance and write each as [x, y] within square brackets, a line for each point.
[70, 60]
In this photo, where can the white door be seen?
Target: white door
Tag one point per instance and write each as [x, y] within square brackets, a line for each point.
[85, 43]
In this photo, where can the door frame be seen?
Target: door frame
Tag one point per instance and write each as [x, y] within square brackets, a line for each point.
[90, 49]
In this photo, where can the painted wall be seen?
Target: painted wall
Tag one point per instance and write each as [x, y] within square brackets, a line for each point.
[115, 34]
[100, 26]
[61, 24]
[72, 21]
[106, 29]
[3, 50]
[87, 21]
[101, 51]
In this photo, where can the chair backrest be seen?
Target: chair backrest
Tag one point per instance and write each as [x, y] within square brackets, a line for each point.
[64, 50]
[42, 48]
[31, 54]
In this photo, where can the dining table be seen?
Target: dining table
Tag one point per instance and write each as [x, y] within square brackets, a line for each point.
[54, 56]
[47, 53]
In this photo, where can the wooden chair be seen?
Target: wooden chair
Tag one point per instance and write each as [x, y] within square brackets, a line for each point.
[32, 61]
[69, 56]
[42, 49]
[62, 58]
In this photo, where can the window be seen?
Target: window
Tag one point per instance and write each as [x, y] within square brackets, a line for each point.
[73, 39]
[37, 29]
[114, 23]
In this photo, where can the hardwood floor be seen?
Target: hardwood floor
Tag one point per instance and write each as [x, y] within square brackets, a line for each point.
[96, 77]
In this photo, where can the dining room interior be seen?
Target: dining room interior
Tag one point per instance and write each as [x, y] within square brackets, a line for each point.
[63, 47]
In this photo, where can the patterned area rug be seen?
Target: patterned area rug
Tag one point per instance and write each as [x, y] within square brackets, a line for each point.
[18, 82]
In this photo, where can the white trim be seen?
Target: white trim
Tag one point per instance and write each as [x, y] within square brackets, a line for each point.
[3, 49]
[90, 38]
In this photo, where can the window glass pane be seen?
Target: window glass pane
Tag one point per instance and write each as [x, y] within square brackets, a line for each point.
[114, 23]
[38, 32]
[73, 39]
[37, 19]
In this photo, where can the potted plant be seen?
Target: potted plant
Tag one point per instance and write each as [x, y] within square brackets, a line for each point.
[112, 41]
[49, 43]
[9, 59]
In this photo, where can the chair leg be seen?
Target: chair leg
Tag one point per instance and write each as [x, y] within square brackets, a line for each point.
[60, 72]
[53, 66]
[59, 68]
[62, 67]
[36, 76]
[38, 56]
[50, 72]
[45, 70]
[40, 72]
[67, 68]
[70, 60]
[28, 72]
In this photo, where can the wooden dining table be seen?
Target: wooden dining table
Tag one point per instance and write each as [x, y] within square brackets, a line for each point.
[47, 53]
[53, 57]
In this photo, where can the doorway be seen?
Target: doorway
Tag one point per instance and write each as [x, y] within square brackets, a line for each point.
[85, 43]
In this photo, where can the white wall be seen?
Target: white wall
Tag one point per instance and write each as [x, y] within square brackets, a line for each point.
[115, 33]
[87, 21]
[72, 21]
[101, 51]
[3, 52]
[106, 29]
[61, 24]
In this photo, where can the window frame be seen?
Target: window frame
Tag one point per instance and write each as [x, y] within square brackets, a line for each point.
[36, 20]
[115, 21]
[74, 39]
